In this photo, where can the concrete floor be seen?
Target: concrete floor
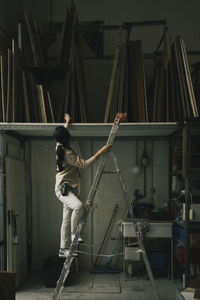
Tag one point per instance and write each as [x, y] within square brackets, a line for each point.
[86, 286]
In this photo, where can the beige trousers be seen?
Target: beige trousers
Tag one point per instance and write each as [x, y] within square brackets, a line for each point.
[72, 211]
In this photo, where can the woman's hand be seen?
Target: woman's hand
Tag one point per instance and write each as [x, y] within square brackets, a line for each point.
[67, 119]
[104, 149]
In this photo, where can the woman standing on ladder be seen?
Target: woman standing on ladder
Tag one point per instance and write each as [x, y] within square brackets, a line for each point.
[67, 180]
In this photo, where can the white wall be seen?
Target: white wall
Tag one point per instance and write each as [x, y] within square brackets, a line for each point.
[47, 210]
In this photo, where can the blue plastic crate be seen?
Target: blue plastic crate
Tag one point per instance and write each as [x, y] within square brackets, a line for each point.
[158, 259]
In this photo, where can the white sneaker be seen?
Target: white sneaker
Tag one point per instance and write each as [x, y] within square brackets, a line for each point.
[65, 253]
[80, 240]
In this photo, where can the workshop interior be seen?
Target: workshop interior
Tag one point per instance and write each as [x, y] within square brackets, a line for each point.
[128, 75]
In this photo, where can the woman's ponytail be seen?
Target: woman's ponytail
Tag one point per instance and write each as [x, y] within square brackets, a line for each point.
[62, 136]
[60, 155]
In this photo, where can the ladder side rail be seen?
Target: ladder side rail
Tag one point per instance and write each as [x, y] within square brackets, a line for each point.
[137, 230]
[144, 254]
[127, 197]
[100, 168]
[148, 267]
[113, 133]
[119, 235]
[64, 273]
[96, 181]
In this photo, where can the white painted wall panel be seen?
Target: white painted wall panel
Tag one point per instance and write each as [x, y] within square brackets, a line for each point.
[16, 230]
[46, 209]
[161, 173]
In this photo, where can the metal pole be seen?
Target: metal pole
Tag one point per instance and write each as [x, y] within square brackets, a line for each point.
[2, 205]
[186, 167]
[187, 233]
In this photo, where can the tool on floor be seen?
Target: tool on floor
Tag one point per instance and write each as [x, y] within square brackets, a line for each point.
[120, 117]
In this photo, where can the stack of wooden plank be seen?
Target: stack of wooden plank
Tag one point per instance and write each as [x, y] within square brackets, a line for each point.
[37, 101]
[127, 90]
[115, 88]
[68, 35]
[186, 87]
[71, 97]
[196, 82]
[22, 99]
[161, 101]
[171, 95]
[137, 104]
[10, 87]
[32, 43]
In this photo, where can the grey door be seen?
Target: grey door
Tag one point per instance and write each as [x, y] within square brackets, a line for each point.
[16, 219]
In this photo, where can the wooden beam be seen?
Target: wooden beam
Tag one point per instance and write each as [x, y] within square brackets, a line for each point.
[114, 69]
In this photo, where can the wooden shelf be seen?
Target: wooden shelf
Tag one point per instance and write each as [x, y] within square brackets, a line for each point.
[95, 130]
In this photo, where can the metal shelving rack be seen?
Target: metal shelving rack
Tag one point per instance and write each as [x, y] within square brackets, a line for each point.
[190, 129]
[189, 133]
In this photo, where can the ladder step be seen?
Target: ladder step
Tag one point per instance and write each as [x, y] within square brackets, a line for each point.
[109, 172]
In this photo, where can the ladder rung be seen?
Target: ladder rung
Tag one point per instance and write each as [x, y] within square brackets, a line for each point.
[109, 172]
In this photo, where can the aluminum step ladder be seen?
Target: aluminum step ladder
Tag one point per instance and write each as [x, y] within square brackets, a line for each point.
[129, 202]
[120, 117]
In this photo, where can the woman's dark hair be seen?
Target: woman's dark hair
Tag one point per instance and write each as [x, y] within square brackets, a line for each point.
[62, 136]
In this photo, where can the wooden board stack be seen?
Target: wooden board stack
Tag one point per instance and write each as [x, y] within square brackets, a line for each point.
[27, 94]
[170, 96]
